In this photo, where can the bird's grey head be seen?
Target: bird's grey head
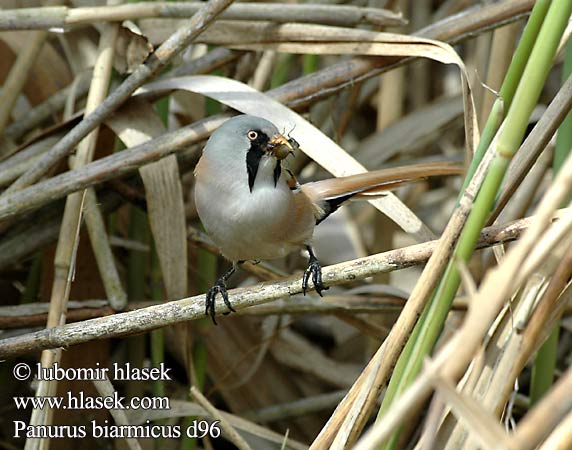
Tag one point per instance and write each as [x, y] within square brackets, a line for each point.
[243, 141]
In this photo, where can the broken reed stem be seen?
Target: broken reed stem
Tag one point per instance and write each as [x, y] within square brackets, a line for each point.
[43, 229]
[534, 145]
[518, 334]
[193, 308]
[496, 288]
[156, 61]
[64, 17]
[384, 359]
[66, 250]
[15, 166]
[56, 315]
[93, 217]
[428, 328]
[327, 82]
[547, 312]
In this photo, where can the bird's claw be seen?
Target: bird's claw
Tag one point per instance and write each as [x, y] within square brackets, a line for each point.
[219, 287]
[315, 270]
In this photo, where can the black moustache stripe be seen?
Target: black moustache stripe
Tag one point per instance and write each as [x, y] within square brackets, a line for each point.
[253, 157]
[277, 172]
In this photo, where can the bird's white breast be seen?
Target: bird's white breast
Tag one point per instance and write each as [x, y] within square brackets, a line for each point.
[245, 225]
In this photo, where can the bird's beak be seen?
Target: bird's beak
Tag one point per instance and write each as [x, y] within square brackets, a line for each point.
[280, 147]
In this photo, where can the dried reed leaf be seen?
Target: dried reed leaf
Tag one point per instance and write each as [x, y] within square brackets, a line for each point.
[316, 39]
[132, 48]
[313, 142]
[137, 123]
[499, 284]
[494, 386]
[510, 347]
[329, 40]
[482, 426]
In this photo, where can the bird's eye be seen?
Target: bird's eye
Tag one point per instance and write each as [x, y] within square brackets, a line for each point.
[252, 135]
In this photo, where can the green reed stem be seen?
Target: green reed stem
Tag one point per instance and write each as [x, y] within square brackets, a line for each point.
[545, 360]
[428, 329]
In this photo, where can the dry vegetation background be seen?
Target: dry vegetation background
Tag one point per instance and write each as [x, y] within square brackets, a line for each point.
[92, 226]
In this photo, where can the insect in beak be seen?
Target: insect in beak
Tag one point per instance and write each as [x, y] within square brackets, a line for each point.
[280, 147]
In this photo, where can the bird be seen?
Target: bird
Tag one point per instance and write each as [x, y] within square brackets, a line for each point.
[253, 208]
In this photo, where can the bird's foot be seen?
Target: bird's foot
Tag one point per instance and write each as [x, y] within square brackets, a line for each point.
[219, 287]
[315, 270]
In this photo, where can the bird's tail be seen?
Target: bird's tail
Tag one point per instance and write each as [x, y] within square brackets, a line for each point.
[331, 193]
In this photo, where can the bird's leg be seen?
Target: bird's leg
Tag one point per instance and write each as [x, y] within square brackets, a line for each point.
[314, 269]
[220, 287]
